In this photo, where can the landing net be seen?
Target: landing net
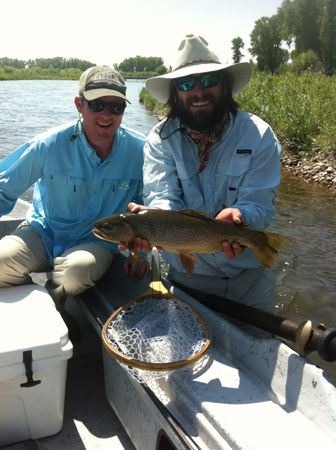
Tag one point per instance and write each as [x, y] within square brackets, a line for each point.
[154, 335]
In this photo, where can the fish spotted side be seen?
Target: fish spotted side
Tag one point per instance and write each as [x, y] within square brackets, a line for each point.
[186, 232]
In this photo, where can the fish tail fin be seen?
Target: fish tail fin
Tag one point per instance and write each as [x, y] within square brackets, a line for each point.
[275, 242]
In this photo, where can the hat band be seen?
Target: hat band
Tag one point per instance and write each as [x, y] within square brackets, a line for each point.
[104, 85]
[194, 63]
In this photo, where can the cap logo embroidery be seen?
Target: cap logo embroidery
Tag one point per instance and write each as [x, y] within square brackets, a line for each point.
[124, 186]
[104, 76]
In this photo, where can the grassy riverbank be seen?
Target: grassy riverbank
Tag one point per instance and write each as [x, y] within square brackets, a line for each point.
[37, 73]
[301, 111]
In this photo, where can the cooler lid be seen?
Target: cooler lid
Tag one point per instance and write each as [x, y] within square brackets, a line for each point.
[29, 321]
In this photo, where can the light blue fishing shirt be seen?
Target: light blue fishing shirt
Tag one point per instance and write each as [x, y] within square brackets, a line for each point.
[73, 187]
[243, 172]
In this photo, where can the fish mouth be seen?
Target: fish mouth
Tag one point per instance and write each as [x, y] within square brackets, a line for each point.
[99, 234]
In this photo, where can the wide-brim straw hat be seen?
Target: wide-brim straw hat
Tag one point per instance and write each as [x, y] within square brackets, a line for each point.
[194, 57]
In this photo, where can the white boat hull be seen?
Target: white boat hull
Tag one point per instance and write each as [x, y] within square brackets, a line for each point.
[251, 393]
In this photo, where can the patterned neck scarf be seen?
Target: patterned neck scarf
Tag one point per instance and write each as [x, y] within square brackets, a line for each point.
[206, 139]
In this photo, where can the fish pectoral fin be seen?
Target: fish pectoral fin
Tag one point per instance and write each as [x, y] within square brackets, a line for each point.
[188, 262]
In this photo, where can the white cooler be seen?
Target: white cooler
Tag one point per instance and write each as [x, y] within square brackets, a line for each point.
[34, 353]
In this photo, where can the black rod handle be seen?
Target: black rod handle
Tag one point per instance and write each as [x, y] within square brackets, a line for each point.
[306, 337]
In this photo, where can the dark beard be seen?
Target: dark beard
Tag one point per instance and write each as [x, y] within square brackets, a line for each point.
[203, 121]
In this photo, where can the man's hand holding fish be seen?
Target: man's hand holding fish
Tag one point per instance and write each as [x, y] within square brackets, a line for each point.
[231, 215]
[228, 215]
[136, 266]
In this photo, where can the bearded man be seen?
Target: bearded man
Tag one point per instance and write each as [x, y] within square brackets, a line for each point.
[209, 156]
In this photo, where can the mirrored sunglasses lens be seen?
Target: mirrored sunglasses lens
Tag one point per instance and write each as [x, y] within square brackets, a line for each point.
[185, 84]
[209, 80]
[96, 105]
[99, 106]
[116, 108]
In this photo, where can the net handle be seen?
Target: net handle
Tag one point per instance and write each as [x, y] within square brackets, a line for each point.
[156, 283]
[156, 271]
[148, 365]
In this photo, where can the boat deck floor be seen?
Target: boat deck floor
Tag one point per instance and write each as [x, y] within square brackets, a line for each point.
[89, 421]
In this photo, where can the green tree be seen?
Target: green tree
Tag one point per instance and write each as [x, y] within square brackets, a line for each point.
[266, 40]
[74, 63]
[311, 25]
[306, 61]
[301, 23]
[57, 62]
[327, 23]
[142, 64]
[237, 45]
[9, 62]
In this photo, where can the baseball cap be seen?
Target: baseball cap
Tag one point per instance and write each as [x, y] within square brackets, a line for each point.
[102, 81]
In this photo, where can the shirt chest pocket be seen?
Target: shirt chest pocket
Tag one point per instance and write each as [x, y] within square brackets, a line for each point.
[240, 163]
[191, 186]
[67, 196]
[229, 177]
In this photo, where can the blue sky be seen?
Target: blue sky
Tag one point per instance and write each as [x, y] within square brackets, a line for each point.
[108, 31]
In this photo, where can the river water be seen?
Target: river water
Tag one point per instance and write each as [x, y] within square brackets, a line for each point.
[306, 275]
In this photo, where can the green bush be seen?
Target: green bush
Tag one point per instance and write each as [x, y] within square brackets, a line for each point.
[37, 73]
[151, 104]
[300, 108]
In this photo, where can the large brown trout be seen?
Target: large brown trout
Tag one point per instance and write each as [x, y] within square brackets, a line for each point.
[185, 232]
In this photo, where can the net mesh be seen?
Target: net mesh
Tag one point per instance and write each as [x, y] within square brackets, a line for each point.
[156, 332]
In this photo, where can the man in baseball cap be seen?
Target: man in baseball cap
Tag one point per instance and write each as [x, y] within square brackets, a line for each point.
[82, 172]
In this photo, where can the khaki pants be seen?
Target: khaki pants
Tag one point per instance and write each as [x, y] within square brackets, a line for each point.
[76, 270]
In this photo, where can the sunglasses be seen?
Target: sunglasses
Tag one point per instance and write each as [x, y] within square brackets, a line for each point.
[99, 106]
[207, 80]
